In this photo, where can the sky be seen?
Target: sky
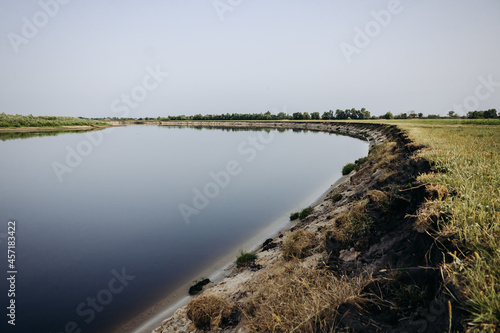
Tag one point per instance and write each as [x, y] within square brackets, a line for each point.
[151, 58]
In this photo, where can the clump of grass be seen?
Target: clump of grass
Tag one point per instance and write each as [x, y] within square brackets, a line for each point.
[209, 312]
[302, 214]
[380, 198]
[336, 197]
[299, 244]
[245, 259]
[377, 196]
[305, 212]
[348, 168]
[298, 299]
[427, 215]
[353, 222]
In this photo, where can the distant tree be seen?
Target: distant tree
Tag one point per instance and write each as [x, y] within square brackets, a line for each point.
[388, 115]
[420, 115]
[452, 114]
[298, 116]
[282, 115]
[315, 115]
[339, 114]
[491, 113]
[327, 115]
[365, 114]
[307, 116]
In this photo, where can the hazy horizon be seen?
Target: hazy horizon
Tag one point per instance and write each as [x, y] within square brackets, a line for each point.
[150, 59]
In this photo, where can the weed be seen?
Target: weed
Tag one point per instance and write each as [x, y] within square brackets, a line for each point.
[305, 212]
[348, 168]
[245, 259]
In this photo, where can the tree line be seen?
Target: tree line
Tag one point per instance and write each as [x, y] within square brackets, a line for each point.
[327, 115]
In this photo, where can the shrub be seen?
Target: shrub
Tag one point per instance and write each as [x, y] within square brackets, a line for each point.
[245, 259]
[305, 212]
[294, 216]
[354, 166]
[347, 169]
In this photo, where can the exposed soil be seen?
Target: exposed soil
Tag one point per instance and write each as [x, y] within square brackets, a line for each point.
[407, 292]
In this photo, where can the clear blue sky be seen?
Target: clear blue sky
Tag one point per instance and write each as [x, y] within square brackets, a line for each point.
[83, 58]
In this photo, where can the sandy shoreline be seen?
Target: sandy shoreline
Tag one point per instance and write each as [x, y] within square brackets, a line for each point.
[222, 268]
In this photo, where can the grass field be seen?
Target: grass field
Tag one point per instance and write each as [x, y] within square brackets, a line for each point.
[466, 156]
[17, 121]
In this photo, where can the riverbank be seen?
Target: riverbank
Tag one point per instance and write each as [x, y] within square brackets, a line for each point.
[51, 129]
[363, 260]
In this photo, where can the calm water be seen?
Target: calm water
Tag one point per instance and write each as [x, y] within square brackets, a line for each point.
[101, 237]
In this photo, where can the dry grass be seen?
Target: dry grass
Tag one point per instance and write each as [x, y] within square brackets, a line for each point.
[383, 154]
[353, 222]
[437, 191]
[298, 299]
[377, 196]
[209, 312]
[299, 244]
[427, 215]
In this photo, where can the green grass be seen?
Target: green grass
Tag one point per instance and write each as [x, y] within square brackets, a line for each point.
[245, 259]
[467, 157]
[302, 214]
[347, 169]
[305, 212]
[16, 121]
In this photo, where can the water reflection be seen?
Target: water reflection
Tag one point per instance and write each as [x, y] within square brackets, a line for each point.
[28, 135]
